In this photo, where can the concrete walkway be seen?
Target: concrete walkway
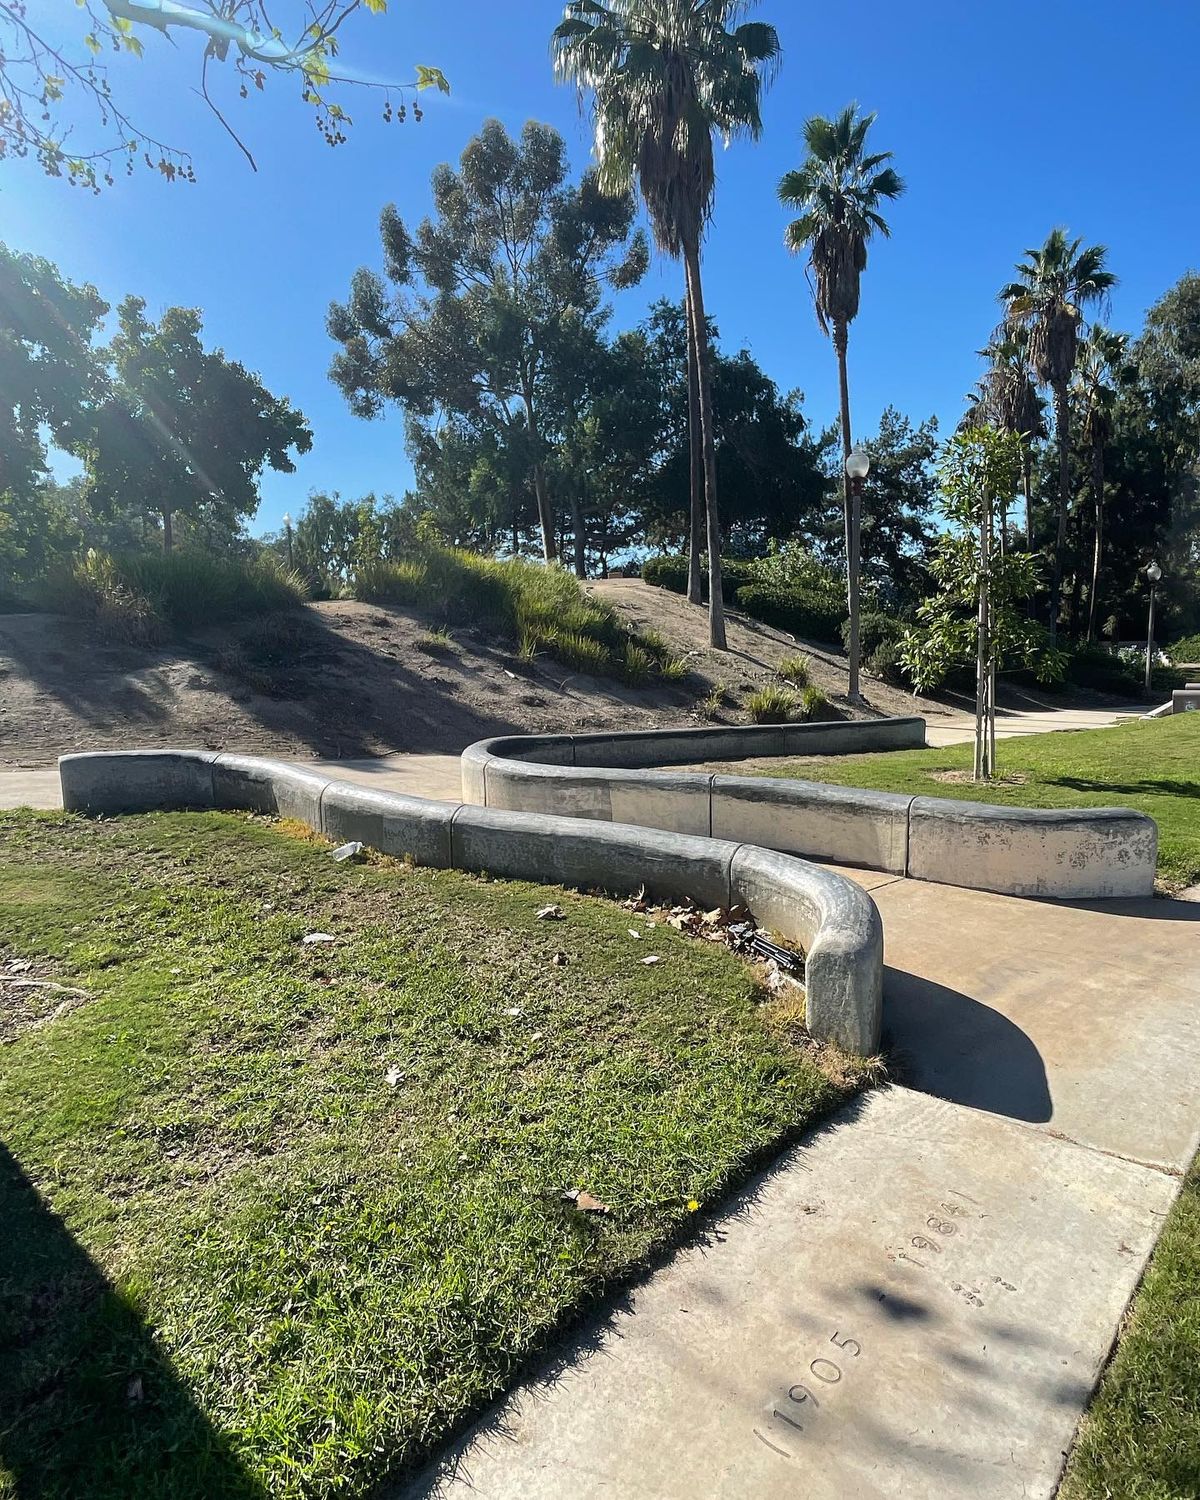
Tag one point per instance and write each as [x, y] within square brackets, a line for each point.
[918, 1301]
[1010, 724]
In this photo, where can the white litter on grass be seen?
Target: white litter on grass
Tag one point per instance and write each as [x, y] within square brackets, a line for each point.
[310, 938]
[347, 851]
[651, 958]
[393, 1076]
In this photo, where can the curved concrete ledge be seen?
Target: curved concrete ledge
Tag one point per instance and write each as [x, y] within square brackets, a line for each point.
[834, 921]
[1082, 854]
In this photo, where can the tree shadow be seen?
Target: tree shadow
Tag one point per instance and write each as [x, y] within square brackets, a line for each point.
[947, 1044]
[106, 694]
[1158, 787]
[89, 1404]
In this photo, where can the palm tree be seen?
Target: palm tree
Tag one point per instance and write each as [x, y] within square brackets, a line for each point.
[664, 75]
[839, 190]
[1101, 359]
[1015, 406]
[1053, 286]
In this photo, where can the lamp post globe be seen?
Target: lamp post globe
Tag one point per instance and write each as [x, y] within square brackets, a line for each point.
[858, 464]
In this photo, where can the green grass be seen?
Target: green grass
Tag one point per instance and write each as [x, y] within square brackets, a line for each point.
[276, 1216]
[1153, 766]
[1141, 1437]
[540, 606]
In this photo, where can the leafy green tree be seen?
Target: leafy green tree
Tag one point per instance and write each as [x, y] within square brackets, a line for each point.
[1054, 284]
[492, 296]
[1010, 401]
[977, 611]
[664, 75]
[1101, 364]
[839, 190]
[899, 496]
[183, 431]
[49, 373]
[44, 76]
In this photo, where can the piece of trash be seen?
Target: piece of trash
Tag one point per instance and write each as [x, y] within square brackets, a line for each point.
[347, 851]
[633, 934]
[310, 938]
[559, 960]
[513, 1010]
[551, 913]
[507, 673]
[393, 1076]
[19, 965]
[584, 1202]
[651, 958]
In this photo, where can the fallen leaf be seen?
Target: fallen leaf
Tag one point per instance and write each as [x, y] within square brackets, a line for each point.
[584, 1202]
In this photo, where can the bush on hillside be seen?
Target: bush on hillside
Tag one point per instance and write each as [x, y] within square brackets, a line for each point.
[138, 599]
[794, 610]
[1186, 650]
[788, 589]
[543, 607]
[875, 629]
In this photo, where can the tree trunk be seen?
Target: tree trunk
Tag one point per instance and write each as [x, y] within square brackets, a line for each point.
[1098, 549]
[1027, 487]
[1076, 609]
[168, 533]
[577, 536]
[1062, 434]
[851, 508]
[695, 586]
[544, 508]
[716, 602]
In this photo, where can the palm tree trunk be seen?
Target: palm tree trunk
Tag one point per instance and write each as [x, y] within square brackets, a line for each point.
[716, 601]
[1098, 549]
[544, 508]
[1027, 488]
[695, 586]
[851, 506]
[1062, 433]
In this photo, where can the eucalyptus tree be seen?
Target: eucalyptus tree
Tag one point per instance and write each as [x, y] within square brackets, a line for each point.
[1099, 368]
[491, 296]
[59, 106]
[1054, 284]
[664, 76]
[839, 190]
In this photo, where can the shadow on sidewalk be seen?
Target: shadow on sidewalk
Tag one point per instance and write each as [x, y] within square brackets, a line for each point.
[947, 1044]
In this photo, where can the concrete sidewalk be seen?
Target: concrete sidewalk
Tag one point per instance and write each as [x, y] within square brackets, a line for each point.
[956, 729]
[917, 1302]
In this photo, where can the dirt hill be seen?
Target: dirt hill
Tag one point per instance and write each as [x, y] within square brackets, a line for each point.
[343, 679]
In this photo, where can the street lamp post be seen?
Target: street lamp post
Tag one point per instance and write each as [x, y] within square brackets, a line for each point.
[1153, 573]
[287, 526]
[858, 466]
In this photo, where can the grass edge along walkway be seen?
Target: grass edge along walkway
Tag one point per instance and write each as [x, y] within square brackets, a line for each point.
[1151, 766]
[290, 1212]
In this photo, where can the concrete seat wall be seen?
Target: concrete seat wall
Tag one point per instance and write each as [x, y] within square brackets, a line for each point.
[833, 920]
[1084, 854]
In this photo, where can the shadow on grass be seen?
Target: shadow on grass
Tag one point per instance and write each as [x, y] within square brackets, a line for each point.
[1154, 788]
[89, 1405]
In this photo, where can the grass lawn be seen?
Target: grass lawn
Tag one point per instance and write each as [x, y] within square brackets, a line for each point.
[1141, 1437]
[277, 1215]
[1152, 765]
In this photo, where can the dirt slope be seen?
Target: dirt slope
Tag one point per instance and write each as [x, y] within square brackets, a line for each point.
[363, 681]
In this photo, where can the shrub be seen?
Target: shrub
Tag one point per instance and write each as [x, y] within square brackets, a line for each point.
[875, 629]
[582, 652]
[812, 701]
[886, 662]
[1103, 671]
[1186, 650]
[637, 664]
[794, 669]
[718, 696]
[390, 582]
[668, 571]
[773, 705]
[673, 668]
[93, 589]
[791, 609]
[191, 589]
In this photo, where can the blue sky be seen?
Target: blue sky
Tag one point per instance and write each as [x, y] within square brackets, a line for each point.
[1004, 119]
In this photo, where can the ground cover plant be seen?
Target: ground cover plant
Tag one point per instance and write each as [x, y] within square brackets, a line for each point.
[541, 607]
[279, 1213]
[1151, 766]
[1140, 1438]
